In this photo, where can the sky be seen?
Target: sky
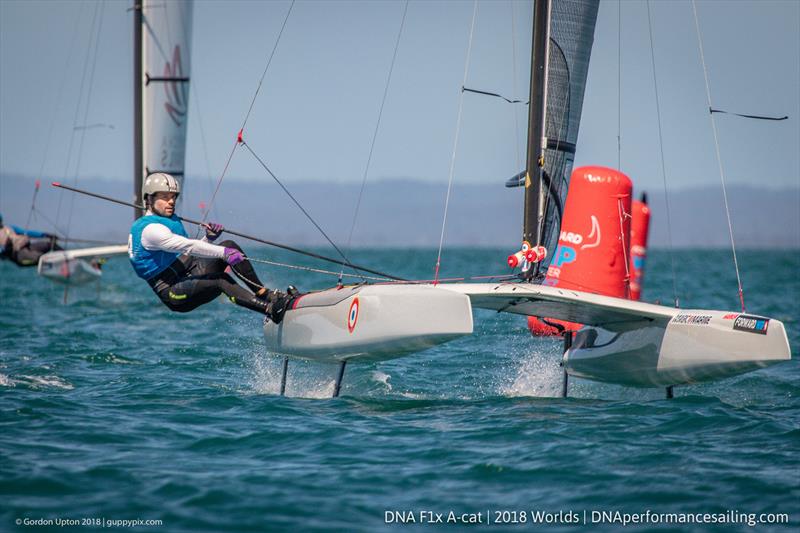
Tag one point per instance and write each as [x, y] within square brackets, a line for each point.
[316, 113]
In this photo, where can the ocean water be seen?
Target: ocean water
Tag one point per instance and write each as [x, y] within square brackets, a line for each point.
[112, 408]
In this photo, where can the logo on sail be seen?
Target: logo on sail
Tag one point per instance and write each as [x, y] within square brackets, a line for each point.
[176, 104]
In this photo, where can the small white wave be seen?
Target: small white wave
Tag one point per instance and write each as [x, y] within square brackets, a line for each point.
[36, 382]
[382, 378]
[6, 381]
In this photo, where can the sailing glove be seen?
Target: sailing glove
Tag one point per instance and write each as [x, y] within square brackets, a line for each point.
[213, 230]
[233, 256]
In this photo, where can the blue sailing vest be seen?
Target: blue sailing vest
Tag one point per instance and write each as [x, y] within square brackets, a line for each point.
[148, 263]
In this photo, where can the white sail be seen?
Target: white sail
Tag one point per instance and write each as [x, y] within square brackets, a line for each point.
[166, 38]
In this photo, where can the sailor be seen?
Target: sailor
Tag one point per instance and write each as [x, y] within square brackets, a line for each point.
[24, 247]
[187, 273]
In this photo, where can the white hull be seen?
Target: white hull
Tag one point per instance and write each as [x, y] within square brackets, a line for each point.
[70, 271]
[76, 267]
[371, 322]
[625, 342]
[678, 354]
[640, 344]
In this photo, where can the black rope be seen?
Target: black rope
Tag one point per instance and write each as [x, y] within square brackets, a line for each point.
[757, 117]
[476, 91]
[238, 234]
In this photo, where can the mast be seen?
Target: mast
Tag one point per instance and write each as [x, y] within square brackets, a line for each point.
[533, 220]
[137, 108]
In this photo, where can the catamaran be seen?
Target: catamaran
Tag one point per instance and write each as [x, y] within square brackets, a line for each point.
[622, 341]
[162, 36]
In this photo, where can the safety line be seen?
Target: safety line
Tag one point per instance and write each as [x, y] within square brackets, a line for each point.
[719, 158]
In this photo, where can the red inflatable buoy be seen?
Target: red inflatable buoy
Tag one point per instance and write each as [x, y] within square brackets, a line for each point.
[592, 252]
[640, 225]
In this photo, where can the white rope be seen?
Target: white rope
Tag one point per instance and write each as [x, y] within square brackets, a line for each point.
[317, 270]
[719, 158]
[455, 142]
[663, 165]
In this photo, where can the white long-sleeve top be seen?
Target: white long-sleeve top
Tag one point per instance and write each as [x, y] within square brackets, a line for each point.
[159, 237]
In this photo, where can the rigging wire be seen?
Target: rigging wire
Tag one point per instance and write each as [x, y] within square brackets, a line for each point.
[663, 165]
[54, 114]
[196, 99]
[78, 107]
[86, 115]
[247, 115]
[297, 203]
[719, 158]
[502, 277]
[377, 126]
[455, 142]
[318, 270]
[33, 203]
[619, 85]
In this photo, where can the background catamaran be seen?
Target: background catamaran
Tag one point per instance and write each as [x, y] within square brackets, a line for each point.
[622, 341]
[162, 33]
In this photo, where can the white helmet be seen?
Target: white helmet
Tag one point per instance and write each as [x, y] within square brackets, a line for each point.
[160, 182]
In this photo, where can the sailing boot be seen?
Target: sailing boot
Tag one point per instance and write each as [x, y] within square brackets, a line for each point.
[278, 304]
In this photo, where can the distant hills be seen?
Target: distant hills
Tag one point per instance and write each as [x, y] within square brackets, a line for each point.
[406, 213]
